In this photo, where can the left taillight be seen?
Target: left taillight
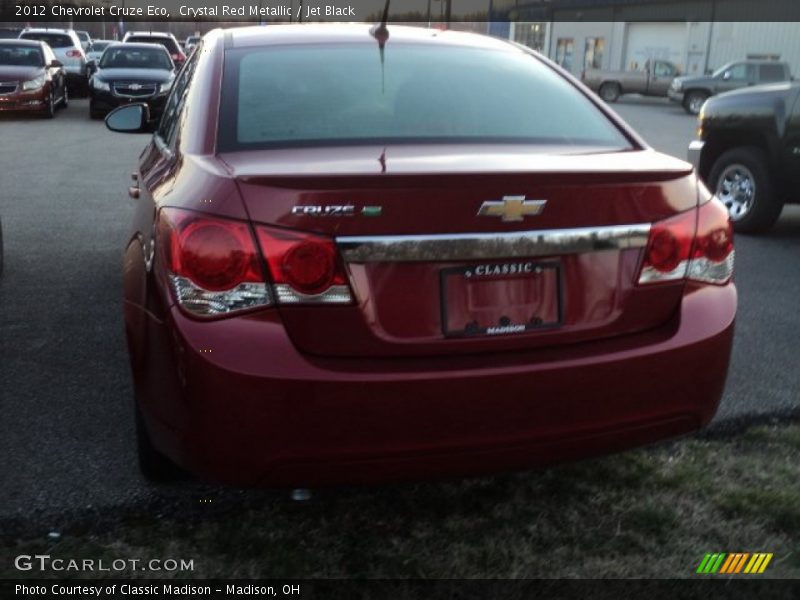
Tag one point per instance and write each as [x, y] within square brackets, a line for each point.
[213, 265]
[695, 245]
[74, 53]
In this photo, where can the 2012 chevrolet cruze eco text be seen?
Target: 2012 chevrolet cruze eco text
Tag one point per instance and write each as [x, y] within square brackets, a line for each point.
[360, 258]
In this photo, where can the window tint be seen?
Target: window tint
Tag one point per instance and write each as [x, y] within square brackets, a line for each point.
[168, 43]
[54, 40]
[737, 72]
[327, 95]
[20, 56]
[771, 73]
[663, 69]
[135, 58]
[168, 127]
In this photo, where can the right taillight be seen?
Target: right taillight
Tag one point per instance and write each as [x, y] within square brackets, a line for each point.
[713, 254]
[305, 268]
[696, 245]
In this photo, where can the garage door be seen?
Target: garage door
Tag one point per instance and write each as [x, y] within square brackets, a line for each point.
[663, 41]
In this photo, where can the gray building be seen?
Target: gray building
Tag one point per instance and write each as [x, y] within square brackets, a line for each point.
[696, 35]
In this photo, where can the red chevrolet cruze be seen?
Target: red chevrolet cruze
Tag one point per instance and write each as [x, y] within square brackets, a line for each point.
[366, 259]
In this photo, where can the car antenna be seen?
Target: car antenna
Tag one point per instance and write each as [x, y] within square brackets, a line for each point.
[381, 33]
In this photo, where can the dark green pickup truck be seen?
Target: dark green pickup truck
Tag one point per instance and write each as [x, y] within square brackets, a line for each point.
[748, 152]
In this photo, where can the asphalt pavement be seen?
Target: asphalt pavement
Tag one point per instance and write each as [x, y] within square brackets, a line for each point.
[66, 431]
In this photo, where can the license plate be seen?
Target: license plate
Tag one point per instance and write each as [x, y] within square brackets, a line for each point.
[500, 298]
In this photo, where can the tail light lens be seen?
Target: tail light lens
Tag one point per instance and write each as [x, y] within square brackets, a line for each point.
[713, 256]
[178, 57]
[668, 249]
[74, 53]
[305, 267]
[214, 267]
[697, 245]
[212, 264]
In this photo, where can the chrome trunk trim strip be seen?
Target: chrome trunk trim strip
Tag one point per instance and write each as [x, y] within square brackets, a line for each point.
[472, 246]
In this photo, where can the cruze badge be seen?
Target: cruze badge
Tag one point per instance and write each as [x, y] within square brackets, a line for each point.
[335, 210]
[512, 208]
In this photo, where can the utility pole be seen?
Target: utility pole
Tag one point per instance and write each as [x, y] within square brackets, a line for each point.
[448, 12]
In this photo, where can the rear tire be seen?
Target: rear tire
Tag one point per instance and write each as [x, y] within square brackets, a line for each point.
[65, 100]
[693, 101]
[740, 179]
[153, 465]
[610, 92]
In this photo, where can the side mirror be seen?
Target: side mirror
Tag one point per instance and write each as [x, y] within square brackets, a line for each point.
[726, 75]
[131, 118]
[56, 64]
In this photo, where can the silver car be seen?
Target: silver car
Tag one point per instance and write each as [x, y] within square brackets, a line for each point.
[95, 53]
[85, 38]
[67, 47]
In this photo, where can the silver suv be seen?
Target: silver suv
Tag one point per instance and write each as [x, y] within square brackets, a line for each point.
[67, 47]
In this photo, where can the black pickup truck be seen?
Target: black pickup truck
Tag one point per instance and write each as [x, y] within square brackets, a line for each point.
[748, 152]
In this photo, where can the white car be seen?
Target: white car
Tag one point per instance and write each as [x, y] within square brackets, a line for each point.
[67, 47]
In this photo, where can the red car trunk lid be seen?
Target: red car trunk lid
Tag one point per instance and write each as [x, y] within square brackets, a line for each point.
[457, 249]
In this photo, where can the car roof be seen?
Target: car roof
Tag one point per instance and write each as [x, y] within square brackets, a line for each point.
[18, 42]
[328, 33]
[47, 30]
[138, 46]
[163, 34]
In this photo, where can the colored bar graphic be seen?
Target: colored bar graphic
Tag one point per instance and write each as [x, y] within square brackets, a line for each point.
[727, 564]
[765, 563]
[717, 563]
[754, 563]
[741, 562]
[734, 563]
[703, 563]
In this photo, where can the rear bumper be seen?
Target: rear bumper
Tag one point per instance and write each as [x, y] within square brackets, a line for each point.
[240, 405]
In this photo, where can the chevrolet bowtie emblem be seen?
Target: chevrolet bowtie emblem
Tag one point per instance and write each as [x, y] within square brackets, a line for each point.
[134, 86]
[512, 208]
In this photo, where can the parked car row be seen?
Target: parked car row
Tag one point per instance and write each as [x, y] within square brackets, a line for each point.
[41, 66]
[662, 78]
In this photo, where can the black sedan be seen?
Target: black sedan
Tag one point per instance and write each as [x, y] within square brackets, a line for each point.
[131, 73]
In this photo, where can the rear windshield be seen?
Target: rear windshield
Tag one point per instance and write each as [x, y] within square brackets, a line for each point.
[98, 46]
[135, 58]
[168, 43]
[345, 94]
[20, 56]
[54, 40]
